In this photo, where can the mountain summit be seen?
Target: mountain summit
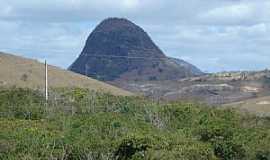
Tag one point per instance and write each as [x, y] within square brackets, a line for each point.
[119, 49]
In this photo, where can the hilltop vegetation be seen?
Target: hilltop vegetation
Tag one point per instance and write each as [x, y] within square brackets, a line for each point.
[78, 124]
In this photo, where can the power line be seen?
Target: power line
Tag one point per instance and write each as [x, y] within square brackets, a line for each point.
[127, 57]
[86, 54]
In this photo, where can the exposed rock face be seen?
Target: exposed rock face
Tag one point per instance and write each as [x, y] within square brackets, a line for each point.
[119, 49]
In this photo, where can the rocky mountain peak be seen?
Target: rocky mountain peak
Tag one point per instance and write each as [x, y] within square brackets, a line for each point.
[121, 37]
[111, 24]
[120, 49]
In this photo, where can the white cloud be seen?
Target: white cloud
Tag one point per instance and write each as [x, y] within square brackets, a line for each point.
[238, 12]
[241, 13]
[130, 4]
[5, 10]
[213, 34]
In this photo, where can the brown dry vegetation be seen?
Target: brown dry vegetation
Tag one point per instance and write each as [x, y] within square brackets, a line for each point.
[259, 106]
[28, 73]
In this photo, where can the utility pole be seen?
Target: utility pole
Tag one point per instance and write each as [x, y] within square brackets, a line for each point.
[46, 81]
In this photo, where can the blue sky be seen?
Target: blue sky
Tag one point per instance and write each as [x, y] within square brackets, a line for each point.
[215, 35]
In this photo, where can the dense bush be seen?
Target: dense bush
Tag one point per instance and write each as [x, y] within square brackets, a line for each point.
[132, 146]
[78, 124]
[22, 104]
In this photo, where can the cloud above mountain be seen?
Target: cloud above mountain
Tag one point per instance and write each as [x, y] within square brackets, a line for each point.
[215, 35]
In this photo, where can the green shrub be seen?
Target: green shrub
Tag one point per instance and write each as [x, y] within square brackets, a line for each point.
[215, 130]
[228, 150]
[22, 104]
[263, 155]
[82, 124]
[132, 146]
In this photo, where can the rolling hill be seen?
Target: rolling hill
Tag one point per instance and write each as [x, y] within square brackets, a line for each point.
[216, 89]
[259, 106]
[28, 73]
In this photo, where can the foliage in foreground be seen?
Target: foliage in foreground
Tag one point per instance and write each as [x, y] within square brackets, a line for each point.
[79, 124]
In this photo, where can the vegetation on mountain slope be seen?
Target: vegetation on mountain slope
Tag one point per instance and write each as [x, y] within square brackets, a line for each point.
[78, 124]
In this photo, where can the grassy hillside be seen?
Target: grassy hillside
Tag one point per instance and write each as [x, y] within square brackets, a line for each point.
[85, 125]
[22, 72]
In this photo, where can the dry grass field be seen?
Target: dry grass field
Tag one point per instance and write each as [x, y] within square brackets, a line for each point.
[28, 73]
[259, 106]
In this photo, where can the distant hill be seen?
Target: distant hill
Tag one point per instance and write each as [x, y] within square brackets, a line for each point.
[259, 106]
[219, 88]
[191, 70]
[120, 50]
[22, 72]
